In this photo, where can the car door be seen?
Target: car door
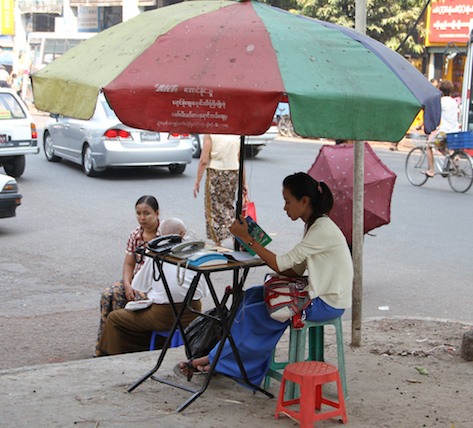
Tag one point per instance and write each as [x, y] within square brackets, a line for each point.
[58, 129]
[75, 133]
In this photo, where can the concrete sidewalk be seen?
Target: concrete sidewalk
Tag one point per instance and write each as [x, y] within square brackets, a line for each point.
[384, 385]
[92, 393]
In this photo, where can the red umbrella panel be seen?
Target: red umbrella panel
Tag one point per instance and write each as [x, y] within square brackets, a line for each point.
[334, 166]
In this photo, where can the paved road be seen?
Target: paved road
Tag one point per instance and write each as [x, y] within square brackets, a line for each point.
[67, 241]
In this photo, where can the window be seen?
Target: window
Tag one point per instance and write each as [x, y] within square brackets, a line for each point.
[10, 108]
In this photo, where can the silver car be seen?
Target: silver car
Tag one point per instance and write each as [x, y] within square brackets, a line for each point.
[104, 142]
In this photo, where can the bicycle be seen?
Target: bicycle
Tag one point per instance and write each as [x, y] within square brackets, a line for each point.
[457, 165]
[285, 126]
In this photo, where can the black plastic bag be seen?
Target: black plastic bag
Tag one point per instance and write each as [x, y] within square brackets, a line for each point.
[203, 334]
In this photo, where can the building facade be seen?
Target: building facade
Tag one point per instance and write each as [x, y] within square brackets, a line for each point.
[36, 32]
[448, 24]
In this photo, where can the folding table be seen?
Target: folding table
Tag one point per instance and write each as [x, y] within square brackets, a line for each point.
[225, 318]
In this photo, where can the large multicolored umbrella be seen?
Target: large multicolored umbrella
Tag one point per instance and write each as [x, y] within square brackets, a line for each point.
[334, 166]
[222, 67]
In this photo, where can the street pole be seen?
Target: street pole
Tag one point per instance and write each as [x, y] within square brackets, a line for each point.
[358, 200]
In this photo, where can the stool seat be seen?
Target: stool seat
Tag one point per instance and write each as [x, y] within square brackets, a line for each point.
[311, 375]
[176, 340]
[297, 347]
[311, 368]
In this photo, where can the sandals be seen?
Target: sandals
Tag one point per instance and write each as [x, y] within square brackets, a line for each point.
[428, 174]
[191, 369]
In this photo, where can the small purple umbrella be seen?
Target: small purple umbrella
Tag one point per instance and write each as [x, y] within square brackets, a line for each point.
[334, 166]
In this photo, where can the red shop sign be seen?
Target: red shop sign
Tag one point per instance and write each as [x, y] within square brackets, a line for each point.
[449, 21]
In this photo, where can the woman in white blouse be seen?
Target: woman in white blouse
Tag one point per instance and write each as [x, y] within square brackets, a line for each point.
[322, 253]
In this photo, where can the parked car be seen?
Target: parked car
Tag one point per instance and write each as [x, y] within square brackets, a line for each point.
[253, 144]
[9, 196]
[104, 142]
[197, 141]
[18, 135]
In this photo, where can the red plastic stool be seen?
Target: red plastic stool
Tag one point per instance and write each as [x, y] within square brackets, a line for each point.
[311, 375]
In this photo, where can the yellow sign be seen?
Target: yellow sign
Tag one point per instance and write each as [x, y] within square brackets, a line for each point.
[7, 27]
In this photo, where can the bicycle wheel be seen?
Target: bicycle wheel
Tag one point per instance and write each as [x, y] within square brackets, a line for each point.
[283, 126]
[416, 162]
[290, 129]
[460, 171]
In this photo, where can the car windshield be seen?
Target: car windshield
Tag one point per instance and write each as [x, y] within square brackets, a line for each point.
[10, 107]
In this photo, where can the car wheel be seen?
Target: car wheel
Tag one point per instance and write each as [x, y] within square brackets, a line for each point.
[177, 169]
[15, 167]
[251, 151]
[49, 149]
[196, 149]
[87, 162]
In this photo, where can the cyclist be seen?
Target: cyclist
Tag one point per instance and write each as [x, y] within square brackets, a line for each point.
[448, 123]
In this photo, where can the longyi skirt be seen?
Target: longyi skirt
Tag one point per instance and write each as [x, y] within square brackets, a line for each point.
[220, 190]
[256, 334]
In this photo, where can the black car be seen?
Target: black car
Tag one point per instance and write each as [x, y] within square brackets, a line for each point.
[9, 196]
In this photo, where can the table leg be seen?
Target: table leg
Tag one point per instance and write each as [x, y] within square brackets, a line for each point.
[226, 321]
[226, 324]
[176, 324]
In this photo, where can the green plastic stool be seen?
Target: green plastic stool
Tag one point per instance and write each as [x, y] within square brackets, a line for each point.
[297, 346]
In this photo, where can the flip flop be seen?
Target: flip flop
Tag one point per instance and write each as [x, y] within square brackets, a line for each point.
[191, 369]
[189, 366]
[428, 174]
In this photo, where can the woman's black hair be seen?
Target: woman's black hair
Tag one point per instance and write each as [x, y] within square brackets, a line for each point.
[148, 200]
[320, 197]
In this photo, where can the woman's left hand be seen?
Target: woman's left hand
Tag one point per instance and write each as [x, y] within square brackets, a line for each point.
[130, 293]
[239, 228]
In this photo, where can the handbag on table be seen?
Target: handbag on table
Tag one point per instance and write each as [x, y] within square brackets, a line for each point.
[286, 298]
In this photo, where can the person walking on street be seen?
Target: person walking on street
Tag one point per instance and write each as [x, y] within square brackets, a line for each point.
[4, 77]
[220, 157]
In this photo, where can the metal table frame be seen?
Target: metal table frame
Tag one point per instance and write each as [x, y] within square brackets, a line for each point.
[225, 318]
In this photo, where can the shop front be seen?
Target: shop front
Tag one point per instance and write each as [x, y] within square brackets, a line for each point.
[448, 26]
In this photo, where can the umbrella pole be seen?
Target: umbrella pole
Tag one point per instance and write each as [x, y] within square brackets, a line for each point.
[358, 208]
[358, 201]
[239, 203]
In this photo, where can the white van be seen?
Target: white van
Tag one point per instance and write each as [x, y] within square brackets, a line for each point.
[18, 135]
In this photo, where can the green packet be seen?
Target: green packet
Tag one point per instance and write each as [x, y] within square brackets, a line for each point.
[257, 233]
